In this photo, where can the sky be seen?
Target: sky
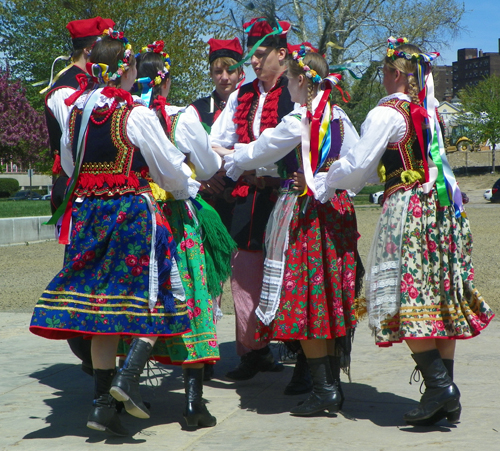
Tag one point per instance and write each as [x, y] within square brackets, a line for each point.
[482, 20]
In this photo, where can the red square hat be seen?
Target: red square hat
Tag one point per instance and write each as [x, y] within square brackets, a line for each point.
[82, 30]
[225, 48]
[259, 28]
[309, 47]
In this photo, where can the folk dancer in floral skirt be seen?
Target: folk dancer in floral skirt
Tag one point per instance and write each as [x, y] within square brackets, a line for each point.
[420, 275]
[120, 254]
[310, 269]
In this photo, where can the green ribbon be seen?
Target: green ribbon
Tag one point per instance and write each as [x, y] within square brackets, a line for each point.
[340, 68]
[442, 191]
[256, 45]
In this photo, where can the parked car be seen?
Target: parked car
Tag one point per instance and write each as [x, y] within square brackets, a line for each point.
[25, 195]
[377, 198]
[493, 194]
[46, 196]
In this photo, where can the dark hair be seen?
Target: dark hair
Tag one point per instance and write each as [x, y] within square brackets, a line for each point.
[148, 65]
[109, 51]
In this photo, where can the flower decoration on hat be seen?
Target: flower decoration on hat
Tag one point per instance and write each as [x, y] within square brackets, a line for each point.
[157, 47]
[298, 55]
[393, 52]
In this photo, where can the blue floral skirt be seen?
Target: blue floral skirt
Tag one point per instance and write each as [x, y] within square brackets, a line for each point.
[104, 286]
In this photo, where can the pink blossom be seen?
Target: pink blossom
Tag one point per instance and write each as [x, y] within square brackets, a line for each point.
[408, 278]
[417, 212]
[136, 270]
[131, 260]
[412, 292]
[189, 243]
[432, 245]
[89, 255]
[144, 260]
[446, 284]
[391, 248]
[197, 311]
[78, 265]
[121, 217]
[190, 302]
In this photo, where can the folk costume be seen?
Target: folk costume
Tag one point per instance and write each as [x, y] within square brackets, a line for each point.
[310, 266]
[250, 111]
[419, 272]
[120, 252]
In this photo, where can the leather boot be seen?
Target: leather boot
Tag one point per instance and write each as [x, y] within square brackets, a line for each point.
[125, 385]
[81, 348]
[301, 379]
[103, 416]
[253, 362]
[335, 368]
[441, 394]
[325, 395]
[196, 412]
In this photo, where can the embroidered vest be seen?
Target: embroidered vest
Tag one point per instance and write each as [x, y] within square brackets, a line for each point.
[111, 164]
[203, 107]
[403, 162]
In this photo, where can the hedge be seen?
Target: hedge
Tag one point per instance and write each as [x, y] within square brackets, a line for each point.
[8, 187]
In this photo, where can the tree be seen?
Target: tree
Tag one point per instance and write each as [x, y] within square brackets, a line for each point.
[482, 106]
[23, 133]
[33, 33]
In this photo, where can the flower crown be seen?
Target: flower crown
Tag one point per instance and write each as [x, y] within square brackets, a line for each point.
[299, 57]
[157, 47]
[100, 71]
[393, 52]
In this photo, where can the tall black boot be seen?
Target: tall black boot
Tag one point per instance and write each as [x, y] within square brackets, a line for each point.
[335, 367]
[301, 381]
[196, 413]
[441, 394]
[81, 348]
[125, 386]
[325, 395]
[452, 417]
[103, 416]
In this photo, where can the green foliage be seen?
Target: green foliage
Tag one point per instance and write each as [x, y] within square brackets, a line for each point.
[33, 34]
[8, 187]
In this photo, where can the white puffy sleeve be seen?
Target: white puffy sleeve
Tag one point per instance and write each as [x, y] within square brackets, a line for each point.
[272, 145]
[358, 165]
[223, 132]
[191, 138]
[165, 161]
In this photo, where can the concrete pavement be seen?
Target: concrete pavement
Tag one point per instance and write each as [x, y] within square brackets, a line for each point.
[45, 399]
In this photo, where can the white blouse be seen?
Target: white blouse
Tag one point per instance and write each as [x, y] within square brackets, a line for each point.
[359, 166]
[276, 143]
[192, 139]
[165, 161]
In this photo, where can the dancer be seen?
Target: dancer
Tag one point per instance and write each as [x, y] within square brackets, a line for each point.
[120, 252]
[310, 268]
[249, 111]
[199, 346]
[83, 35]
[420, 276]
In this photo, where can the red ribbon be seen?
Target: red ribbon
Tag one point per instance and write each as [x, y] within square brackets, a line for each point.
[159, 104]
[83, 82]
[418, 116]
[118, 93]
[241, 189]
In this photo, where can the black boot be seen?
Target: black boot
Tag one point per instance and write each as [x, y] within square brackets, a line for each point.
[301, 379]
[196, 412]
[253, 362]
[125, 386]
[103, 416]
[81, 348]
[325, 395]
[335, 367]
[208, 372]
[441, 394]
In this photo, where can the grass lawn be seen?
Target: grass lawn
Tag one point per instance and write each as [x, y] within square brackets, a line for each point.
[19, 208]
[363, 197]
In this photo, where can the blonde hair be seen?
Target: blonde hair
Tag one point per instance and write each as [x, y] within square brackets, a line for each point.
[407, 67]
[224, 62]
[316, 62]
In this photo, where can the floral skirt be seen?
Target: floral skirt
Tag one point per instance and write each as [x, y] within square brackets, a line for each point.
[435, 289]
[318, 290]
[200, 344]
[104, 286]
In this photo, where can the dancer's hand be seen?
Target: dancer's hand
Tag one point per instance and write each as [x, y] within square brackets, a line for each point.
[222, 151]
[299, 181]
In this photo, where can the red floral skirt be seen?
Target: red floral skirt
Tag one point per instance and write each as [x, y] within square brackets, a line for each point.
[318, 291]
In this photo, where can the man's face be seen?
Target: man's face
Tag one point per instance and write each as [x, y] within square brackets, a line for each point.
[225, 80]
[266, 63]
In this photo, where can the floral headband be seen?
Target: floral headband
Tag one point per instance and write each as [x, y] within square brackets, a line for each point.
[393, 52]
[157, 47]
[99, 71]
[299, 57]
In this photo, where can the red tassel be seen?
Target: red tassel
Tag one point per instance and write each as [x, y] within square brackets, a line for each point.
[56, 167]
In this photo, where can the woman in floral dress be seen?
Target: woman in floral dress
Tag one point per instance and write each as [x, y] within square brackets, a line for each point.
[311, 264]
[420, 277]
[120, 254]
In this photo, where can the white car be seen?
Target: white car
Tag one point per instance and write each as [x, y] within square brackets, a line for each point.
[487, 194]
[377, 198]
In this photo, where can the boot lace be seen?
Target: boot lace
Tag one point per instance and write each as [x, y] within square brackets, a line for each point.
[416, 376]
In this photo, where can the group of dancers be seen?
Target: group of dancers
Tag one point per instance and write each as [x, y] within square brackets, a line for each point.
[158, 205]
